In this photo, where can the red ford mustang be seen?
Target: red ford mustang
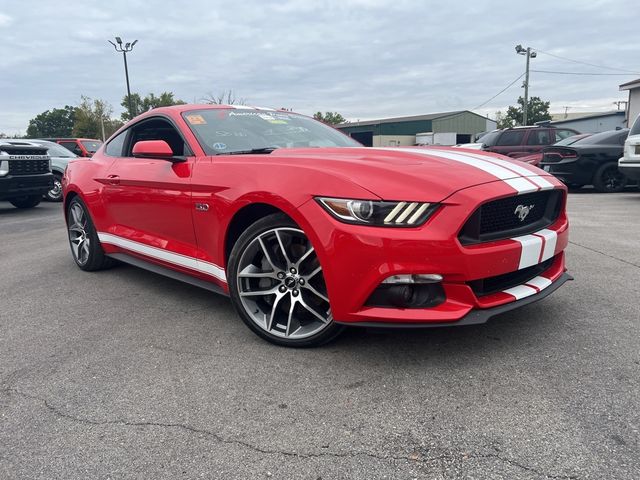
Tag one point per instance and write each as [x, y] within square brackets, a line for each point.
[308, 231]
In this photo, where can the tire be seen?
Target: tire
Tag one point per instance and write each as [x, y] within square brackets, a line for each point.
[575, 186]
[277, 287]
[55, 194]
[83, 238]
[608, 179]
[29, 201]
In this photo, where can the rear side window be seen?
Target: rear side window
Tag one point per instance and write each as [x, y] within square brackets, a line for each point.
[114, 147]
[539, 137]
[510, 138]
[561, 134]
[635, 130]
[72, 146]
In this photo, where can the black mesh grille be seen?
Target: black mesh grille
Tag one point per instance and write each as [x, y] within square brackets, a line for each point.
[512, 216]
[28, 167]
[490, 285]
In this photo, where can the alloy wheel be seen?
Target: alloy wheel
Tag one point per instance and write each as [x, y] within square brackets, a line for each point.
[281, 286]
[78, 234]
[613, 179]
[55, 193]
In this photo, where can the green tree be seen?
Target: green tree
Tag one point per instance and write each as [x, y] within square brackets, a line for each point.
[330, 118]
[93, 117]
[57, 122]
[537, 111]
[142, 104]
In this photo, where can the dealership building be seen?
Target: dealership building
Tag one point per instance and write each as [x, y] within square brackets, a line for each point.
[447, 128]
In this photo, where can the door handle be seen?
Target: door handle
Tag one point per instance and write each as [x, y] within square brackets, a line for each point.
[113, 180]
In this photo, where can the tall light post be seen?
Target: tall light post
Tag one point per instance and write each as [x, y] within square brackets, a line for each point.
[520, 50]
[127, 47]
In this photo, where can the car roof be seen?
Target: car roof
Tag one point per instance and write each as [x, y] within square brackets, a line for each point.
[206, 106]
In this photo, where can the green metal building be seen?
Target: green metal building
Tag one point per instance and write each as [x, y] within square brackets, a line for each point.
[448, 127]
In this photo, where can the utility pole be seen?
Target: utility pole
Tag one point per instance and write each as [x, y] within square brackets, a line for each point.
[520, 50]
[127, 47]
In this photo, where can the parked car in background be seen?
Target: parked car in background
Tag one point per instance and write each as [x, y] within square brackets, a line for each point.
[629, 164]
[60, 157]
[536, 158]
[590, 161]
[520, 141]
[309, 231]
[25, 172]
[82, 147]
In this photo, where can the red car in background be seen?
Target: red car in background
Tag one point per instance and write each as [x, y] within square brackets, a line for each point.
[519, 142]
[536, 158]
[307, 231]
[82, 147]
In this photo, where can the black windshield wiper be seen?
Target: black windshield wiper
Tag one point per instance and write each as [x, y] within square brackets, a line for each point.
[257, 151]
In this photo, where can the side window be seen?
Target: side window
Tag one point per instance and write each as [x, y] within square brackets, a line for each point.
[510, 138]
[114, 147]
[158, 129]
[539, 137]
[561, 134]
[72, 146]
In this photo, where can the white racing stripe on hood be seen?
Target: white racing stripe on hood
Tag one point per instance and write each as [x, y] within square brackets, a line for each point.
[519, 183]
[514, 167]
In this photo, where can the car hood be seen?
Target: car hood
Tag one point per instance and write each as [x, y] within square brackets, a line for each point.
[471, 146]
[412, 173]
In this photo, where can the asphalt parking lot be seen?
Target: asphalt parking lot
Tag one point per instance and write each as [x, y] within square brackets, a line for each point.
[126, 374]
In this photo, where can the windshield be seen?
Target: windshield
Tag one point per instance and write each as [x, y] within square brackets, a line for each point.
[226, 131]
[490, 138]
[635, 130]
[604, 138]
[90, 145]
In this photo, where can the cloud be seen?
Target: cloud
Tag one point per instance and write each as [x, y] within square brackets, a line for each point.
[363, 58]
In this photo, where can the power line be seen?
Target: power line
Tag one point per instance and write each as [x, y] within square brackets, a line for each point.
[579, 73]
[586, 63]
[500, 92]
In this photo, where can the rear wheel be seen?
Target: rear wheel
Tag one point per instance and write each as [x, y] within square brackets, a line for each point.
[608, 179]
[277, 286]
[55, 194]
[83, 239]
[28, 201]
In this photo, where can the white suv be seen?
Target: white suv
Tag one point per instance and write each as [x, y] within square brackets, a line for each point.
[629, 164]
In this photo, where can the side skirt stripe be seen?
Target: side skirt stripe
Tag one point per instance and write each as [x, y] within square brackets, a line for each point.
[164, 255]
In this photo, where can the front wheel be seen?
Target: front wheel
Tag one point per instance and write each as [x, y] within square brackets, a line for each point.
[83, 238]
[277, 286]
[28, 201]
[55, 194]
[608, 179]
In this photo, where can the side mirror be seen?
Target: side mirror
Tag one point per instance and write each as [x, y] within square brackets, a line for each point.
[152, 149]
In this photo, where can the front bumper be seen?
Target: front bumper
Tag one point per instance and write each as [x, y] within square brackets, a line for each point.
[13, 186]
[630, 170]
[356, 259]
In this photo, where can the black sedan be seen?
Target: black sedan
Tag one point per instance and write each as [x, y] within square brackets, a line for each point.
[589, 161]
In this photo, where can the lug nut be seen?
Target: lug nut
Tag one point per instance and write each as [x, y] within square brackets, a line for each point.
[282, 288]
[281, 275]
[301, 281]
[295, 293]
[292, 270]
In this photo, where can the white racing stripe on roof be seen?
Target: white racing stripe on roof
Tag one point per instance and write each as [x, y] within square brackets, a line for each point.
[514, 180]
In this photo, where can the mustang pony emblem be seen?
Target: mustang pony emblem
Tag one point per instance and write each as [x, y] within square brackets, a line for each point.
[522, 211]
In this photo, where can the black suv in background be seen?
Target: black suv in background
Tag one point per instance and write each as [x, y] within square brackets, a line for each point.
[25, 172]
[523, 141]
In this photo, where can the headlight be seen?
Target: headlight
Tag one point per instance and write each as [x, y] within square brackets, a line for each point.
[378, 213]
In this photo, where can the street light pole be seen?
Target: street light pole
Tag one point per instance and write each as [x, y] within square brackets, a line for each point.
[529, 54]
[127, 47]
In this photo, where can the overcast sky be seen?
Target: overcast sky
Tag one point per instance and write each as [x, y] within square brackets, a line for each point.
[363, 58]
